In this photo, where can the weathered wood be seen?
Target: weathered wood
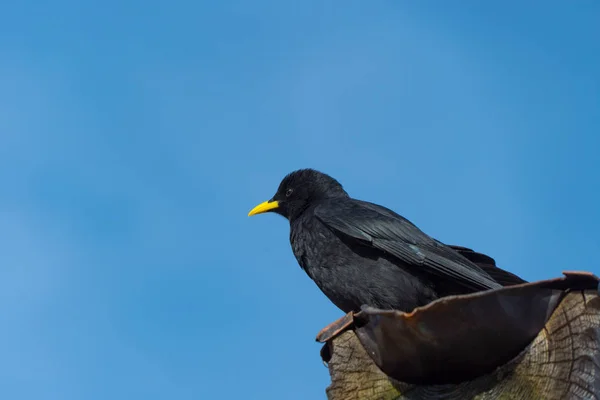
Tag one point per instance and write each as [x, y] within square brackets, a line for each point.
[562, 362]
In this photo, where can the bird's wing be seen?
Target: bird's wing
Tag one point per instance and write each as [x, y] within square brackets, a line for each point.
[488, 264]
[387, 231]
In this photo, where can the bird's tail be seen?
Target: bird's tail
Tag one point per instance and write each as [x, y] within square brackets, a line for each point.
[488, 264]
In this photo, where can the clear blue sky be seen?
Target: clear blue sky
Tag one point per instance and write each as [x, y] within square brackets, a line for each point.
[136, 135]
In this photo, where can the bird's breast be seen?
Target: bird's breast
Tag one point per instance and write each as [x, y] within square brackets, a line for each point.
[311, 242]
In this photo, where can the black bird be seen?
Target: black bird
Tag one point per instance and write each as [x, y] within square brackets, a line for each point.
[360, 253]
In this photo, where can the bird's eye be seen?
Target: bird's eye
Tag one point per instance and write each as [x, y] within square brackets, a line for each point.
[289, 192]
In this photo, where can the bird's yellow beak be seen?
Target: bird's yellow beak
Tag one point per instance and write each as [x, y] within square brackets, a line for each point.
[263, 207]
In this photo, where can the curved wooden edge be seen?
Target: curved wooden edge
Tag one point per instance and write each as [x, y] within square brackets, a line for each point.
[335, 328]
[571, 280]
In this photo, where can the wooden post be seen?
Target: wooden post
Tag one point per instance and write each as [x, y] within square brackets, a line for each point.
[562, 362]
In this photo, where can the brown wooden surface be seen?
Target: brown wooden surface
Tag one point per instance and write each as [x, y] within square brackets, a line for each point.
[563, 362]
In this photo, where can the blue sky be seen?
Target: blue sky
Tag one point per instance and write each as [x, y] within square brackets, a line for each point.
[135, 137]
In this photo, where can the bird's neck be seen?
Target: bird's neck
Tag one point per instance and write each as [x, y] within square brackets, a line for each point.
[298, 213]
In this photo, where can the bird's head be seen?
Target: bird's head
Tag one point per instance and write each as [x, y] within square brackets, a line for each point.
[297, 191]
